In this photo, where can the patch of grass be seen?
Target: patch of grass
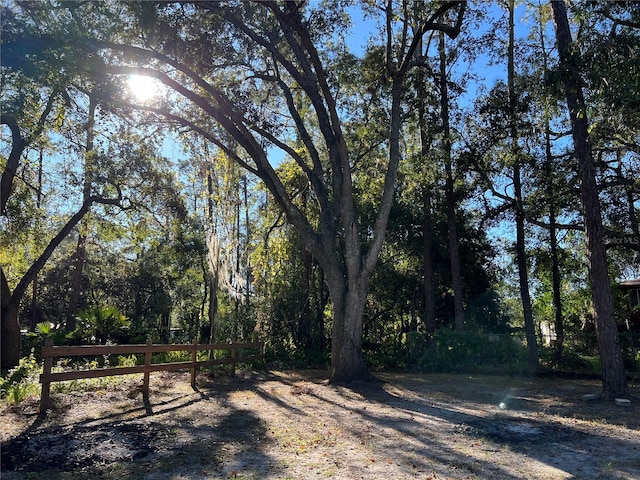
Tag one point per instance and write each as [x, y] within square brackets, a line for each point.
[90, 384]
[51, 475]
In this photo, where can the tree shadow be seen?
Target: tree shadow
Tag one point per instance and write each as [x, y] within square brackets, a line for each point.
[422, 427]
[155, 437]
[509, 421]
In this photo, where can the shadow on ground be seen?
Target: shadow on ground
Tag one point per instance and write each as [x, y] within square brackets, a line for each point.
[297, 425]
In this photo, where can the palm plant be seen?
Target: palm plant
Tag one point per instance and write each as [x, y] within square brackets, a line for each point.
[101, 323]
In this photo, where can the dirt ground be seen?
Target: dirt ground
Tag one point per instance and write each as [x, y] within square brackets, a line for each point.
[295, 425]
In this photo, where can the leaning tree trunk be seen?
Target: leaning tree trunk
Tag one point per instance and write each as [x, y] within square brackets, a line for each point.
[10, 341]
[613, 374]
[426, 140]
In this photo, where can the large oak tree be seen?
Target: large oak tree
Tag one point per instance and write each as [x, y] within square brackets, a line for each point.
[254, 77]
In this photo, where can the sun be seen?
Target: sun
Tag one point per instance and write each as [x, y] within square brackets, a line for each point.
[143, 88]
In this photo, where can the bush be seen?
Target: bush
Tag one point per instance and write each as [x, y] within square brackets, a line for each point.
[171, 357]
[130, 361]
[281, 356]
[570, 362]
[471, 352]
[386, 356]
[21, 381]
[100, 324]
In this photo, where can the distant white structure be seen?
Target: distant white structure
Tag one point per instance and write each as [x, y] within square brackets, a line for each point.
[548, 333]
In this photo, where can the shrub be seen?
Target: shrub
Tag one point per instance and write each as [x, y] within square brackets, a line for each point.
[21, 381]
[130, 361]
[386, 356]
[472, 352]
[100, 324]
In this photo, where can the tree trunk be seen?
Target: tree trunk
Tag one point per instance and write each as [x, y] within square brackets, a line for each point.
[521, 253]
[555, 260]
[10, 341]
[213, 257]
[35, 287]
[427, 263]
[427, 223]
[10, 327]
[525, 297]
[81, 247]
[348, 302]
[18, 144]
[613, 375]
[557, 297]
[454, 255]
[212, 313]
[76, 282]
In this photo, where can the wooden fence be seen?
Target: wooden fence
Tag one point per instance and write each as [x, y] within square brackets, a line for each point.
[49, 352]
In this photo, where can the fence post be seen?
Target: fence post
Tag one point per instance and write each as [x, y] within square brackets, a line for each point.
[147, 363]
[233, 360]
[45, 378]
[194, 359]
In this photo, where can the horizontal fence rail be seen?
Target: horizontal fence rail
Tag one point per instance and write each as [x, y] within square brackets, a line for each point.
[49, 352]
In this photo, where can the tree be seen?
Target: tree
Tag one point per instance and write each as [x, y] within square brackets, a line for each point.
[76, 284]
[613, 374]
[454, 255]
[116, 185]
[267, 59]
[554, 193]
[516, 154]
[290, 295]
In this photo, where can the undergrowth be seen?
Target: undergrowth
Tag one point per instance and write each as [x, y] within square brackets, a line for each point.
[21, 381]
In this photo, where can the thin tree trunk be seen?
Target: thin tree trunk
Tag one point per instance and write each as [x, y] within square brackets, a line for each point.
[613, 374]
[237, 327]
[454, 255]
[553, 236]
[525, 296]
[213, 255]
[555, 261]
[521, 253]
[427, 263]
[427, 223]
[557, 298]
[35, 286]
[81, 247]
